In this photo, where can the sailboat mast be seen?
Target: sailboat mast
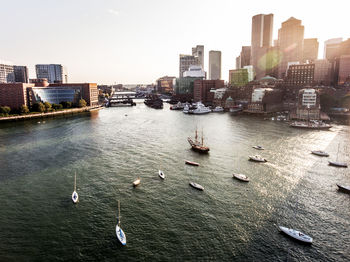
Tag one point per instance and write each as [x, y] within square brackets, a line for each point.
[75, 181]
[196, 136]
[202, 138]
[118, 212]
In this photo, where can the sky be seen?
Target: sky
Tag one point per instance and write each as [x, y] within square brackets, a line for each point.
[138, 41]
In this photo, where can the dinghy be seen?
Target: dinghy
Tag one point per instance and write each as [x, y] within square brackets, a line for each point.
[191, 163]
[196, 186]
[119, 232]
[137, 182]
[75, 197]
[161, 174]
[320, 153]
[296, 235]
[241, 177]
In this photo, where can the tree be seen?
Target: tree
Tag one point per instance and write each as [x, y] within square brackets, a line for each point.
[82, 103]
[5, 110]
[39, 107]
[47, 106]
[57, 106]
[66, 104]
[24, 109]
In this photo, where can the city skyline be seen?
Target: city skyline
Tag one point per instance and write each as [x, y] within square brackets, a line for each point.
[116, 42]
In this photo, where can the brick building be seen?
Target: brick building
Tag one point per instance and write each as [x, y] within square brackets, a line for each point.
[201, 91]
[14, 95]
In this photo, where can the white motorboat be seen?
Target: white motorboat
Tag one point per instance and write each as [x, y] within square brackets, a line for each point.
[257, 158]
[296, 235]
[200, 110]
[345, 189]
[320, 153]
[241, 177]
[137, 182]
[161, 174]
[218, 109]
[196, 186]
[75, 197]
[119, 232]
[258, 147]
[186, 109]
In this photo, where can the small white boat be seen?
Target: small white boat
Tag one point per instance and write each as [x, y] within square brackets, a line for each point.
[119, 232]
[218, 109]
[75, 197]
[258, 147]
[196, 186]
[345, 189]
[241, 177]
[320, 153]
[337, 164]
[187, 162]
[136, 182]
[257, 158]
[296, 235]
[161, 174]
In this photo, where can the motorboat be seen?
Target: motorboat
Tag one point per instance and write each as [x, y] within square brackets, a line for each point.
[218, 109]
[257, 158]
[296, 235]
[186, 109]
[236, 109]
[196, 186]
[310, 125]
[137, 182]
[75, 197]
[320, 153]
[119, 232]
[191, 163]
[258, 147]
[241, 177]
[338, 164]
[200, 110]
[198, 145]
[345, 189]
[178, 106]
[161, 174]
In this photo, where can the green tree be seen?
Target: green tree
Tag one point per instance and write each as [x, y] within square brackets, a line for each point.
[5, 110]
[82, 103]
[39, 107]
[57, 106]
[24, 109]
[48, 106]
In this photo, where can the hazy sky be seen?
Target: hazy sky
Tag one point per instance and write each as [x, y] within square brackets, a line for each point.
[135, 41]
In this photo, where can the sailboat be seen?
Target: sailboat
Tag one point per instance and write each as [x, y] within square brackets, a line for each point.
[197, 145]
[336, 163]
[120, 233]
[75, 196]
[296, 235]
[161, 174]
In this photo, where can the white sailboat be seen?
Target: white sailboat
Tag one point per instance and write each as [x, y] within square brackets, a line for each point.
[75, 197]
[161, 174]
[336, 163]
[296, 235]
[120, 233]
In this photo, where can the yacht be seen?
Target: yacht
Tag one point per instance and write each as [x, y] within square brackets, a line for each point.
[200, 110]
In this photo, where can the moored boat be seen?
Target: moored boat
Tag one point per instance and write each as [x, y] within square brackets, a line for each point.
[320, 153]
[338, 164]
[257, 158]
[310, 125]
[241, 177]
[296, 235]
[191, 163]
[345, 189]
[258, 147]
[218, 109]
[75, 197]
[197, 145]
[196, 186]
[137, 182]
[161, 174]
[119, 232]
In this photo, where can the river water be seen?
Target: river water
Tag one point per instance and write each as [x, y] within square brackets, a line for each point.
[167, 220]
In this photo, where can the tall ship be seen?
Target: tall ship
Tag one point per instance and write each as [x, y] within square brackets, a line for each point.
[197, 145]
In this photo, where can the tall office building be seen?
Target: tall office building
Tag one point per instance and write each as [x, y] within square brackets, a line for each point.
[214, 65]
[310, 50]
[21, 74]
[330, 48]
[238, 62]
[323, 72]
[185, 62]
[52, 72]
[344, 70]
[290, 42]
[262, 28]
[245, 56]
[7, 74]
[198, 51]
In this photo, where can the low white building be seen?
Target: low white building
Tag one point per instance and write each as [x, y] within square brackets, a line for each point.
[194, 71]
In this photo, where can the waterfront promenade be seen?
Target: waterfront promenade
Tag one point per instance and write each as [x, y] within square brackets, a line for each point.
[50, 114]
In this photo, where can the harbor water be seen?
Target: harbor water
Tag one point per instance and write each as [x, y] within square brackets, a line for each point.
[167, 220]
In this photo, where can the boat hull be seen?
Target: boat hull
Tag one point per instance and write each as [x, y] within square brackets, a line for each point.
[191, 163]
[241, 177]
[337, 164]
[320, 153]
[75, 197]
[345, 189]
[196, 186]
[296, 235]
[120, 235]
[259, 160]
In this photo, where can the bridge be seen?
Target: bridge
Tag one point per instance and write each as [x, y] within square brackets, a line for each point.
[122, 99]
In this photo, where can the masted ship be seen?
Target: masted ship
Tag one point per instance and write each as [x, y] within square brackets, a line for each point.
[198, 145]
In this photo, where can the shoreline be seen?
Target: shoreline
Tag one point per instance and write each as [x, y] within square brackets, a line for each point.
[72, 111]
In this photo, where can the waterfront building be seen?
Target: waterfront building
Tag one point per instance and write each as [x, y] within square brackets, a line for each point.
[242, 76]
[262, 28]
[310, 50]
[198, 51]
[214, 65]
[185, 86]
[39, 82]
[290, 42]
[204, 90]
[54, 73]
[300, 75]
[308, 104]
[265, 100]
[195, 71]
[21, 74]
[14, 95]
[185, 62]
[165, 84]
[344, 70]
[323, 72]
[331, 47]
[7, 74]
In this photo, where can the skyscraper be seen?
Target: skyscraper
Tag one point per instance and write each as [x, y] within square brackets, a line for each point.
[331, 47]
[262, 28]
[7, 74]
[52, 72]
[290, 42]
[185, 62]
[310, 51]
[198, 51]
[214, 65]
[245, 56]
[21, 74]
